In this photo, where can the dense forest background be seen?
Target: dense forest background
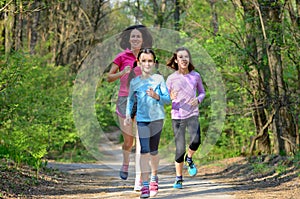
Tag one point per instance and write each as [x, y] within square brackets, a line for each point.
[43, 44]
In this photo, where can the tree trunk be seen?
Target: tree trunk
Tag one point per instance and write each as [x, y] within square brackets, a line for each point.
[9, 20]
[35, 18]
[283, 127]
[159, 12]
[256, 81]
[176, 15]
[214, 17]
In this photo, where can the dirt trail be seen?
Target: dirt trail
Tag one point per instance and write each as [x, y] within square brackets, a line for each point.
[101, 181]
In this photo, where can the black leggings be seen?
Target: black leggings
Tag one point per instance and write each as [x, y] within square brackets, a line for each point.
[179, 127]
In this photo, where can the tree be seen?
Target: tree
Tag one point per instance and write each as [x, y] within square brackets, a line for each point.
[272, 107]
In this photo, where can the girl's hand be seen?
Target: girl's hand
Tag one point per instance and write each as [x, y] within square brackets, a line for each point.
[127, 121]
[152, 93]
[173, 94]
[194, 101]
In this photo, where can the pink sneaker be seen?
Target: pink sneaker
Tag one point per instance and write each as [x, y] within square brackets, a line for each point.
[153, 188]
[145, 193]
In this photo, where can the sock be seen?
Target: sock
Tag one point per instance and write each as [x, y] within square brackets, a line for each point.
[188, 159]
[153, 178]
[125, 168]
[146, 184]
[178, 178]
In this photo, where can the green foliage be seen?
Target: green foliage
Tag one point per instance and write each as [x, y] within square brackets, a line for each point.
[260, 167]
[105, 105]
[36, 114]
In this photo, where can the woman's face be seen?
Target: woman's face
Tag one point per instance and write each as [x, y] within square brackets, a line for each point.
[183, 59]
[146, 62]
[135, 39]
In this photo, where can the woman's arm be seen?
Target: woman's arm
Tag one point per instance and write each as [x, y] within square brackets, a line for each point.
[113, 73]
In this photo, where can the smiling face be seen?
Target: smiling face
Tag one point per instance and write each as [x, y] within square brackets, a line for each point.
[135, 39]
[183, 61]
[146, 62]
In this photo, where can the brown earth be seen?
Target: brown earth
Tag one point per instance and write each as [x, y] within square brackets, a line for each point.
[259, 177]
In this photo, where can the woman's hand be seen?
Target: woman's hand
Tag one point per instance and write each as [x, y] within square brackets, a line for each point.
[127, 120]
[126, 70]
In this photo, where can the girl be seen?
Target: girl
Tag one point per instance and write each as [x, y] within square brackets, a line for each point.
[151, 94]
[187, 92]
[133, 39]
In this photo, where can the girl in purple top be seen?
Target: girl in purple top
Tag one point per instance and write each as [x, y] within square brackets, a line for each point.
[133, 39]
[186, 92]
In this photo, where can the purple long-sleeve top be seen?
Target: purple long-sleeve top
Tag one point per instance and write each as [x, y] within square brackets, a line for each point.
[187, 86]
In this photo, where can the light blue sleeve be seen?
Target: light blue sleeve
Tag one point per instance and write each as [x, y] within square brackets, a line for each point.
[164, 93]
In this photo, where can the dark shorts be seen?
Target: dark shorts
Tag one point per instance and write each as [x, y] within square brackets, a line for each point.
[121, 107]
[149, 135]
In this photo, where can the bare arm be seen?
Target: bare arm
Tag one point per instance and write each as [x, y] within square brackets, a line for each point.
[113, 73]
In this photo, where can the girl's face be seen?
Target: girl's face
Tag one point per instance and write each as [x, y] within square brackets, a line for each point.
[146, 62]
[183, 60]
[135, 39]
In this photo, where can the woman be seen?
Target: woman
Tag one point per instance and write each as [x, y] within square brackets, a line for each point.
[133, 39]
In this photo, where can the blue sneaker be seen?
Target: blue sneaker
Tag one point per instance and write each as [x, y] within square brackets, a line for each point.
[192, 170]
[178, 184]
[123, 175]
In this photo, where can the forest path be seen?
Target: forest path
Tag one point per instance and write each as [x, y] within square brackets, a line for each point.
[101, 179]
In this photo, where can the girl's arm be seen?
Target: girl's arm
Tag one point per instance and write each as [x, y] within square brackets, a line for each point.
[201, 91]
[164, 93]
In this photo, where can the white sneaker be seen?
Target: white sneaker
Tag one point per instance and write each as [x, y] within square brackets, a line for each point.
[137, 185]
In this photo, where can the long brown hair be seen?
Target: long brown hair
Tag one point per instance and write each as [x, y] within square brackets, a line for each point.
[172, 64]
[143, 50]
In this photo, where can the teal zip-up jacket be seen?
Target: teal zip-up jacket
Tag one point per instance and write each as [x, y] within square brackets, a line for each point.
[148, 108]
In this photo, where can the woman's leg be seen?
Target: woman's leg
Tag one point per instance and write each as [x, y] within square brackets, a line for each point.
[126, 147]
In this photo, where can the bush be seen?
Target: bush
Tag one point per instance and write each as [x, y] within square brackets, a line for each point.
[36, 108]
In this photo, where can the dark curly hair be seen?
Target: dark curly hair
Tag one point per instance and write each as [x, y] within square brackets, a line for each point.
[125, 36]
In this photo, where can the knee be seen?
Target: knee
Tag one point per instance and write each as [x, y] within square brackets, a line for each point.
[127, 145]
[179, 158]
[195, 145]
[154, 152]
[196, 141]
[145, 150]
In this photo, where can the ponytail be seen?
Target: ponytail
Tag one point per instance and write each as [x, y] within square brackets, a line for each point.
[132, 73]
